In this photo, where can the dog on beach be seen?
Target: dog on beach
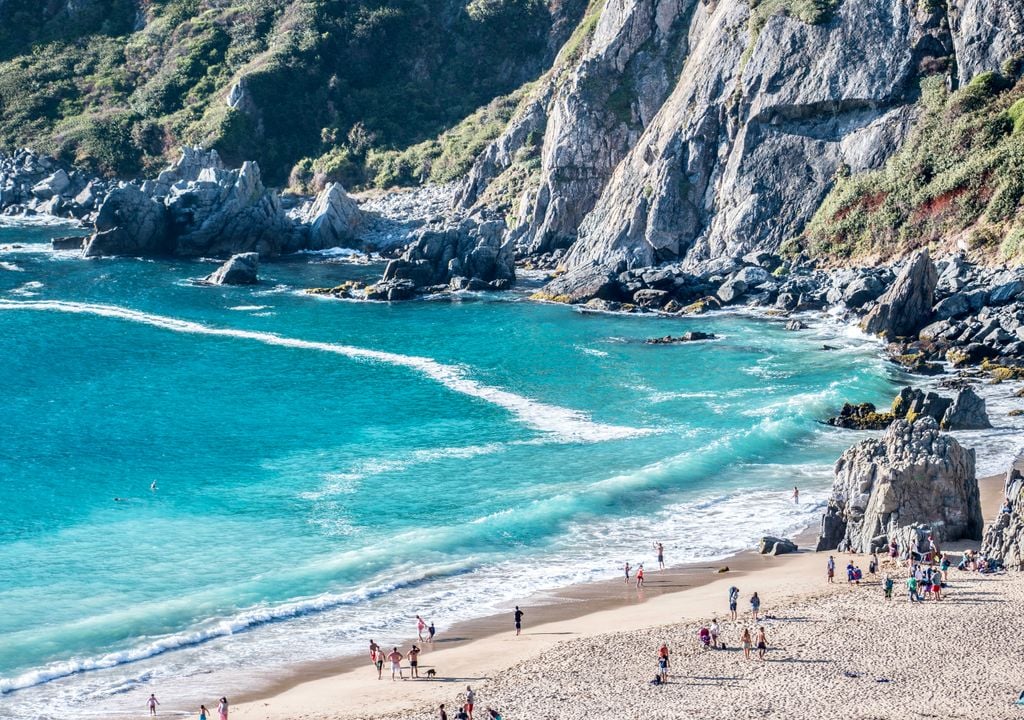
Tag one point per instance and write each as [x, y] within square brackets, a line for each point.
[431, 674]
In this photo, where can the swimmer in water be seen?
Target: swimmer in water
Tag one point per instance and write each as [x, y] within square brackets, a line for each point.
[152, 486]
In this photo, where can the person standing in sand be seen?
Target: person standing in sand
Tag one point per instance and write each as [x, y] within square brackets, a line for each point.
[745, 641]
[374, 651]
[912, 589]
[762, 643]
[663, 662]
[887, 587]
[414, 662]
[420, 627]
[222, 709]
[640, 576]
[831, 568]
[152, 703]
[379, 662]
[441, 714]
[470, 701]
[396, 663]
[755, 606]
[734, 599]
[628, 568]
[715, 630]
[661, 555]
[518, 615]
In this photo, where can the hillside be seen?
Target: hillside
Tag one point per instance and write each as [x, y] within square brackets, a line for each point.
[117, 85]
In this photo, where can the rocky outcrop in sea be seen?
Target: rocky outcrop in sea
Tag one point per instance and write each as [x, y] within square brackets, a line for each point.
[241, 269]
[913, 481]
[965, 411]
[35, 184]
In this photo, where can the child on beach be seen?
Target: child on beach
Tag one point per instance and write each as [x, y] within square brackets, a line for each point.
[663, 662]
[640, 576]
[912, 589]
[627, 572]
[152, 703]
[714, 629]
[831, 568]
[745, 641]
[430, 633]
[887, 587]
[203, 712]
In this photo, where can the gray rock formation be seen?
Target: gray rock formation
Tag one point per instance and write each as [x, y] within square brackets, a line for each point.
[130, 222]
[241, 269]
[32, 184]
[333, 219]
[967, 412]
[905, 307]
[1004, 538]
[468, 254]
[770, 545]
[986, 33]
[913, 475]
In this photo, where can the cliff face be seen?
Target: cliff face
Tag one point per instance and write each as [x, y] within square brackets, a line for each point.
[689, 131]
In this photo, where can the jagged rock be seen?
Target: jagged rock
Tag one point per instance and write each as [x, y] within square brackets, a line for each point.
[649, 298]
[862, 291]
[333, 219]
[55, 184]
[130, 222]
[1005, 293]
[1004, 538]
[76, 242]
[241, 269]
[731, 290]
[690, 336]
[794, 325]
[906, 306]
[753, 276]
[770, 545]
[913, 403]
[861, 417]
[986, 33]
[967, 412]
[912, 475]
[393, 290]
[472, 248]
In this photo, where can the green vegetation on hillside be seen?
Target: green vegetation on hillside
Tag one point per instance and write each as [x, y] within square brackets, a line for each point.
[961, 171]
[348, 81]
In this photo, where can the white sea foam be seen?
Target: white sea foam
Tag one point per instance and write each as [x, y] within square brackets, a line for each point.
[591, 351]
[248, 308]
[563, 422]
[27, 289]
[11, 267]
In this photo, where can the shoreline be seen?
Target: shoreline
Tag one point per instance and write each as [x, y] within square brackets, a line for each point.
[486, 647]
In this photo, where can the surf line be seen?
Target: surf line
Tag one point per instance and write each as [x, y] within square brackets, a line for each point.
[565, 423]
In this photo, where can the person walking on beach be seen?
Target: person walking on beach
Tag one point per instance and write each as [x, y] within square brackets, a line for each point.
[734, 599]
[755, 606]
[430, 632]
[414, 662]
[661, 555]
[745, 641]
[470, 701]
[640, 576]
[762, 643]
[831, 568]
[396, 663]
[518, 615]
[222, 709]
[203, 712]
[374, 652]
[152, 703]
[420, 627]
[873, 564]
[796, 495]
[627, 573]
[379, 662]
[663, 662]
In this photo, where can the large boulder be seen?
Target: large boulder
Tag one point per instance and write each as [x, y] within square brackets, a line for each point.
[1004, 538]
[771, 545]
[471, 249]
[906, 307]
[129, 222]
[967, 412]
[862, 291]
[912, 476]
[333, 219]
[241, 269]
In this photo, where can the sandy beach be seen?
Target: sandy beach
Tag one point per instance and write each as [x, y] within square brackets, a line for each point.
[833, 650]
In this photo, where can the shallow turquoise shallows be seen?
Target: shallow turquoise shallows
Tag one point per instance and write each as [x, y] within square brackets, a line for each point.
[325, 470]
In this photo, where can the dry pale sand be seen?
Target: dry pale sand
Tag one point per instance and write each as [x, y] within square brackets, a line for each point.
[835, 651]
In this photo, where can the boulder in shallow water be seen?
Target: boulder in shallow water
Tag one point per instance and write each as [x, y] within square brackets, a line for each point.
[241, 269]
[912, 475]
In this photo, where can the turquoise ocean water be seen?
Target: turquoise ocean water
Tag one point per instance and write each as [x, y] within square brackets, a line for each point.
[325, 470]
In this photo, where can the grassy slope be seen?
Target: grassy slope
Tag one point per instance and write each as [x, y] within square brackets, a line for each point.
[355, 78]
[960, 174]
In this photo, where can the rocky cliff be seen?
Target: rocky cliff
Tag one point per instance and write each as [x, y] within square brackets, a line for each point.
[913, 480]
[1004, 538]
[692, 131]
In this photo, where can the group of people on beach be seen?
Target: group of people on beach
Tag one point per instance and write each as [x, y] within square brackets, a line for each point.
[222, 708]
[659, 548]
[710, 636]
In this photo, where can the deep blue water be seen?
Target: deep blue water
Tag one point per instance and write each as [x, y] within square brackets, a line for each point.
[326, 469]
